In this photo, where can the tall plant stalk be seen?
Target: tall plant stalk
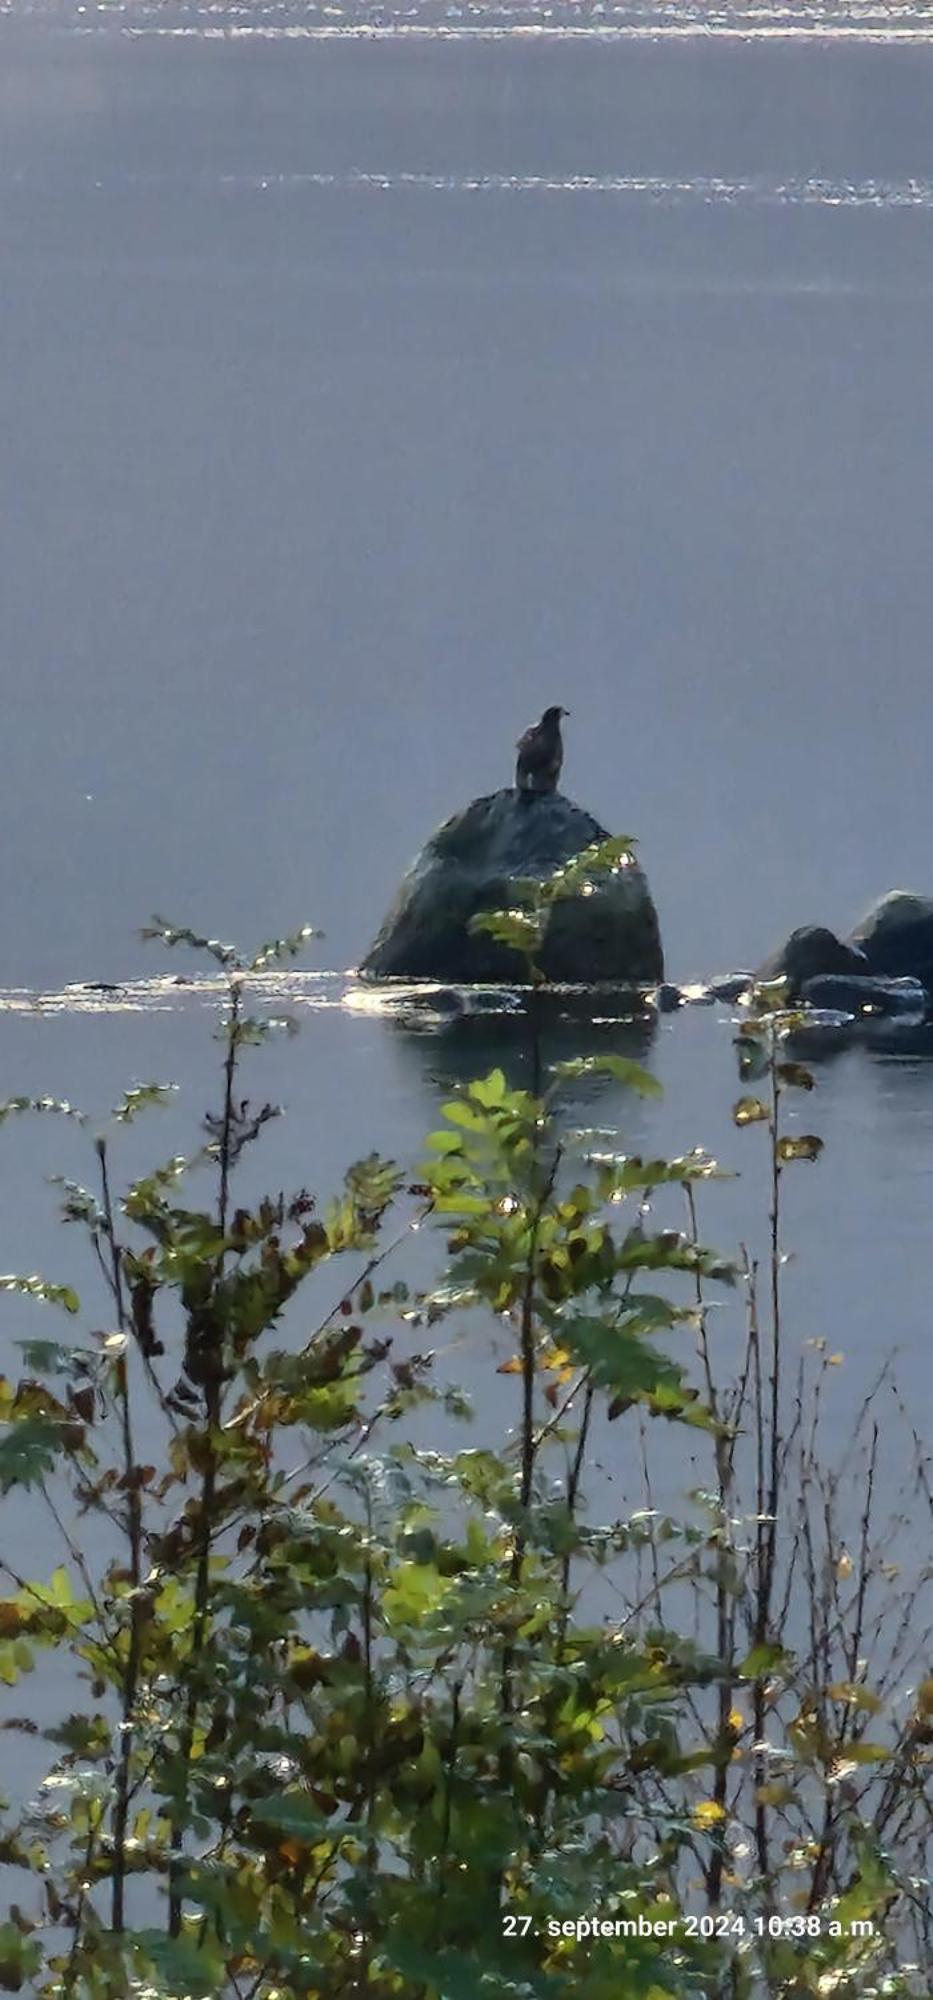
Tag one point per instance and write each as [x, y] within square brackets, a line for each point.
[205, 1360]
[134, 1519]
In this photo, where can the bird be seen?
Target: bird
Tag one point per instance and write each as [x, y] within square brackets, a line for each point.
[540, 755]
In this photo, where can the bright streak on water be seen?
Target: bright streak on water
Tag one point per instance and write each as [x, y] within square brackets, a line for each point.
[458, 20]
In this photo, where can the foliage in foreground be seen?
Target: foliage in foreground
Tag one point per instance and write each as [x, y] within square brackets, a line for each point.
[349, 1717]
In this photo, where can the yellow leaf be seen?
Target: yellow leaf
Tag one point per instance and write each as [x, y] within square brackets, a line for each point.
[707, 1814]
[749, 1111]
[860, 1697]
[844, 1566]
[777, 1793]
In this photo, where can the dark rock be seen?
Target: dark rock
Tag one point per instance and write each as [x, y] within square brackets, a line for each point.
[471, 864]
[668, 998]
[879, 998]
[812, 953]
[730, 985]
[896, 937]
[493, 1000]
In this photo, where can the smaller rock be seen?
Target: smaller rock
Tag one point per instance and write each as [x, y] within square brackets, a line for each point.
[667, 998]
[881, 999]
[493, 1000]
[730, 986]
[810, 953]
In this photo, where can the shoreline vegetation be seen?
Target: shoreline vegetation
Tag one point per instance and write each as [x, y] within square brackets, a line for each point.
[348, 1713]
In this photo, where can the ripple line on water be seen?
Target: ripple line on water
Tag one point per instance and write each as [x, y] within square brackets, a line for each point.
[701, 190]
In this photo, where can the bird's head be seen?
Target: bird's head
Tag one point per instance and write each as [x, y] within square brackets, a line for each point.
[552, 716]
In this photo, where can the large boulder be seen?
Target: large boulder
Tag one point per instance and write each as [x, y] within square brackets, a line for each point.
[812, 952]
[471, 863]
[896, 937]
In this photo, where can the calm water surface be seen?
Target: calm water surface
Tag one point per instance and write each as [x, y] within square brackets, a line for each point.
[370, 377]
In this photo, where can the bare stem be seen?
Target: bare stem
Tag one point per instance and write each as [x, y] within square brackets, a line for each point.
[134, 1529]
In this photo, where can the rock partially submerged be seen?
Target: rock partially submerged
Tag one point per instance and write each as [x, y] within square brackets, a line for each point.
[871, 999]
[892, 942]
[472, 863]
[813, 952]
[730, 986]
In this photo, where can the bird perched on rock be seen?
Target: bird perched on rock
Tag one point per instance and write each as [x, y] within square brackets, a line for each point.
[540, 754]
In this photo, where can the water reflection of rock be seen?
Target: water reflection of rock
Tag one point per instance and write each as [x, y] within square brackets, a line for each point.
[450, 1035]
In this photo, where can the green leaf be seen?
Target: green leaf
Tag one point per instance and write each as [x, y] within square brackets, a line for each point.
[372, 1183]
[869, 1893]
[518, 929]
[669, 1250]
[78, 1204]
[281, 948]
[252, 1030]
[621, 1174]
[855, 1695]
[442, 1142]
[134, 1101]
[620, 1359]
[865, 1753]
[753, 1057]
[414, 1593]
[27, 1452]
[20, 1958]
[461, 1113]
[13, 1664]
[463, 1975]
[763, 1660]
[39, 1288]
[50, 1357]
[590, 866]
[489, 1091]
[174, 934]
[59, 1105]
[290, 1813]
[620, 1067]
[184, 1965]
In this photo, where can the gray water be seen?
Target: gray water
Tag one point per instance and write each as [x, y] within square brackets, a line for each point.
[371, 377]
[360, 395]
